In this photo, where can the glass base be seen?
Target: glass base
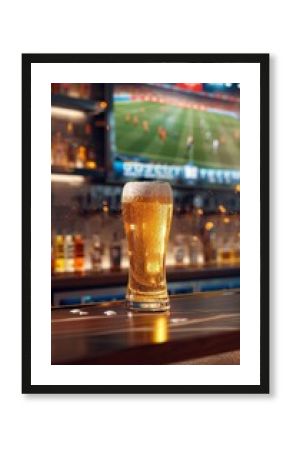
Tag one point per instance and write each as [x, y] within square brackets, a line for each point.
[148, 306]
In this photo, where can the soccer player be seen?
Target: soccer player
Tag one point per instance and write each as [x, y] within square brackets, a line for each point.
[145, 125]
[215, 145]
[190, 147]
[208, 135]
[189, 142]
[162, 133]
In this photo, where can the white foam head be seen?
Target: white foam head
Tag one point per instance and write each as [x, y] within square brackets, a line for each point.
[146, 189]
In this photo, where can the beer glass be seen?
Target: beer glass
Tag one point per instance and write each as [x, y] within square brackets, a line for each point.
[147, 213]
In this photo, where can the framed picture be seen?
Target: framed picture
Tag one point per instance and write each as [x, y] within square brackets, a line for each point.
[161, 286]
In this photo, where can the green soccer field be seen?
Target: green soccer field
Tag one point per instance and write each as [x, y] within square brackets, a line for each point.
[170, 134]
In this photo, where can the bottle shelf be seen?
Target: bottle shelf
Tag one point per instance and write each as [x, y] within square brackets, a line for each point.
[85, 105]
[108, 277]
[96, 174]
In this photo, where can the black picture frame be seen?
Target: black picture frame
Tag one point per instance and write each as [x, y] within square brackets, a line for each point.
[263, 61]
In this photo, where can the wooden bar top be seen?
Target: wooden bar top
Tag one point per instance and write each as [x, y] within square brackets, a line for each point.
[198, 325]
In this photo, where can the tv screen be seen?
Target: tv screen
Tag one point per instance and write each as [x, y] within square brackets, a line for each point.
[185, 132]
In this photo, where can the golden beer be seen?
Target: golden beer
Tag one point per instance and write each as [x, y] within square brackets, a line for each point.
[147, 213]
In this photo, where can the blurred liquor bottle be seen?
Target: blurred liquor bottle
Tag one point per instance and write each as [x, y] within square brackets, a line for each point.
[71, 144]
[237, 247]
[81, 157]
[96, 253]
[59, 150]
[58, 251]
[179, 250]
[196, 255]
[210, 241]
[69, 252]
[85, 90]
[115, 253]
[90, 148]
[229, 243]
[79, 257]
